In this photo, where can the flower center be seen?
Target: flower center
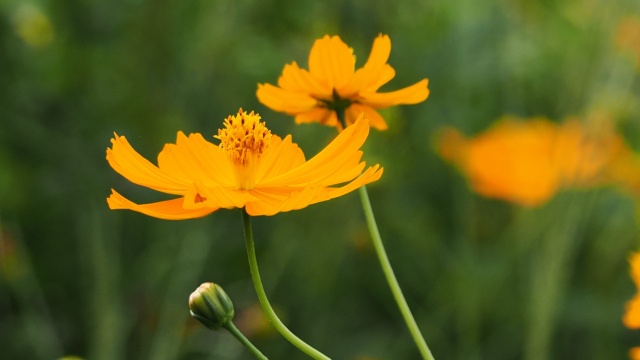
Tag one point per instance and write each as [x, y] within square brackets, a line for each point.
[244, 137]
[339, 105]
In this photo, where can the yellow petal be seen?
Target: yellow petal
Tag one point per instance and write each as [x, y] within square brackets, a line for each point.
[331, 157]
[282, 156]
[298, 80]
[350, 169]
[285, 101]
[168, 210]
[380, 52]
[332, 62]
[321, 115]
[375, 120]
[370, 175]
[221, 197]
[274, 200]
[314, 195]
[128, 163]
[198, 160]
[381, 77]
[413, 94]
[375, 72]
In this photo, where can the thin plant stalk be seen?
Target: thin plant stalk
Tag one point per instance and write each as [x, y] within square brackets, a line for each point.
[386, 266]
[391, 278]
[262, 296]
[235, 332]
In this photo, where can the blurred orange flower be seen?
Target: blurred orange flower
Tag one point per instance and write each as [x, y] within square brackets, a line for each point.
[332, 84]
[631, 317]
[250, 168]
[527, 162]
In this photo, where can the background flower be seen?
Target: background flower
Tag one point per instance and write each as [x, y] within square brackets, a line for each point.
[332, 84]
[529, 161]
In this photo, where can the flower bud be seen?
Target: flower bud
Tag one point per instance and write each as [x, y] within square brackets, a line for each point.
[210, 305]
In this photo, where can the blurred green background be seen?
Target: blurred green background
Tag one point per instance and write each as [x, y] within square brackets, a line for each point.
[485, 279]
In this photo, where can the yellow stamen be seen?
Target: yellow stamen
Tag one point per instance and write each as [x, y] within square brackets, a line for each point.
[244, 136]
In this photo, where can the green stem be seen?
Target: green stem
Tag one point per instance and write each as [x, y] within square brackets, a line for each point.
[262, 296]
[391, 278]
[230, 326]
[384, 260]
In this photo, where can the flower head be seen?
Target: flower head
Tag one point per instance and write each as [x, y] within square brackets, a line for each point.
[211, 305]
[527, 162]
[250, 168]
[332, 84]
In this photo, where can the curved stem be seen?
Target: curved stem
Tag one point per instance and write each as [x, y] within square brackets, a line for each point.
[230, 326]
[385, 264]
[262, 296]
[391, 278]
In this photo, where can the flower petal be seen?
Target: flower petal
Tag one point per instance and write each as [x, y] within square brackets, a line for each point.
[168, 210]
[221, 197]
[332, 62]
[375, 119]
[370, 175]
[379, 78]
[274, 200]
[128, 163]
[380, 52]
[321, 115]
[413, 94]
[196, 159]
[285, 101]
[282, 156]
[332, 157]
[298, 80]
[375, 72]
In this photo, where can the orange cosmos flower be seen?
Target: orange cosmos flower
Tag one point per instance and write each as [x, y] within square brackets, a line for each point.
[332, 84]
[250, 168]
[527, 162]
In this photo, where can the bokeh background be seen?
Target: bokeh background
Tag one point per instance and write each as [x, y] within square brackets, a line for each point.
[485, 279]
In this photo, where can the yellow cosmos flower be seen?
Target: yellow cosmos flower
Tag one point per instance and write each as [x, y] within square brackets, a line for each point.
[250, 168]
[527, 162]
[332, 84]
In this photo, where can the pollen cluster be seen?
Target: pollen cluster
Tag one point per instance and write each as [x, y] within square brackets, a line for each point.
[244, 136]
